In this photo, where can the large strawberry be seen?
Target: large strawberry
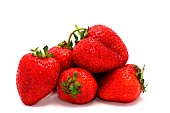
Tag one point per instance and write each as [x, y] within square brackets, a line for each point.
[101, 50]
[124, 84]
[63, 54]
[77, 85]
[36, 76]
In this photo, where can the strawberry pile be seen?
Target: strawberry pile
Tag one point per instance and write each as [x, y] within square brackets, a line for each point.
[93, 65]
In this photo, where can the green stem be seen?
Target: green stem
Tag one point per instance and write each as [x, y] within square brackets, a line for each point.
[74, 32]
[78, 30]
[71, 86]
[139, 74]
[40, 54]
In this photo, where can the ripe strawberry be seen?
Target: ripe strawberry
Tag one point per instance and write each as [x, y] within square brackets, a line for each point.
[77, 85]
[124, 84]
[63, 54]
[36, 76]
[101, 50]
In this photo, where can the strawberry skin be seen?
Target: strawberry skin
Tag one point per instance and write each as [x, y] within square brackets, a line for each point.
[85, 91]
[124, 84]
[63, 56]
[101, 50]
[36, 77]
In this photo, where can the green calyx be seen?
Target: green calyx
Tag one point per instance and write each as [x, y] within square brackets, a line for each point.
[139, 74]
[71, 86]
[40, 54]
[64, 44]
[79, 34]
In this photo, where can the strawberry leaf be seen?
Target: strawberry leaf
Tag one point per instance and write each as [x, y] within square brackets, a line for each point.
[63, 84]
[85, 33]
[82, 32]
[77, 29]
[70, 45]
[73, 95]
[76, 37]
[45, 49]
[139, 74]
[75, 76]
[71, 86]
[69, 80]
[77, 84]
[40, 54]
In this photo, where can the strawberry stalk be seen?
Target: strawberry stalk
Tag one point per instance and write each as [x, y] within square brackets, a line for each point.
[139, 74]
[69, 44]
[40, 54]
[71, 86]
[82, 33]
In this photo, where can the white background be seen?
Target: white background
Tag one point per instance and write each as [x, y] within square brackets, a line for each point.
[143, 26]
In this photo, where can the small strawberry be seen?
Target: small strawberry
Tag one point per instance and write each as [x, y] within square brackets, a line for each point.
[63, 54]
[99, 50]
[36, 76]
[77, 85]
[124, 84]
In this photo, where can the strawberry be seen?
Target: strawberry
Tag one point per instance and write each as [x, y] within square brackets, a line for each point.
[99, 50]
[36, 76]
[124, 84]
[63, 54]
[77, 85]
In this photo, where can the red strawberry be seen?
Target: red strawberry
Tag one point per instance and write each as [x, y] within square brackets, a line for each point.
[124, 84]
[36, 76]
[63, 54]
[101, 50]
[76, 85]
